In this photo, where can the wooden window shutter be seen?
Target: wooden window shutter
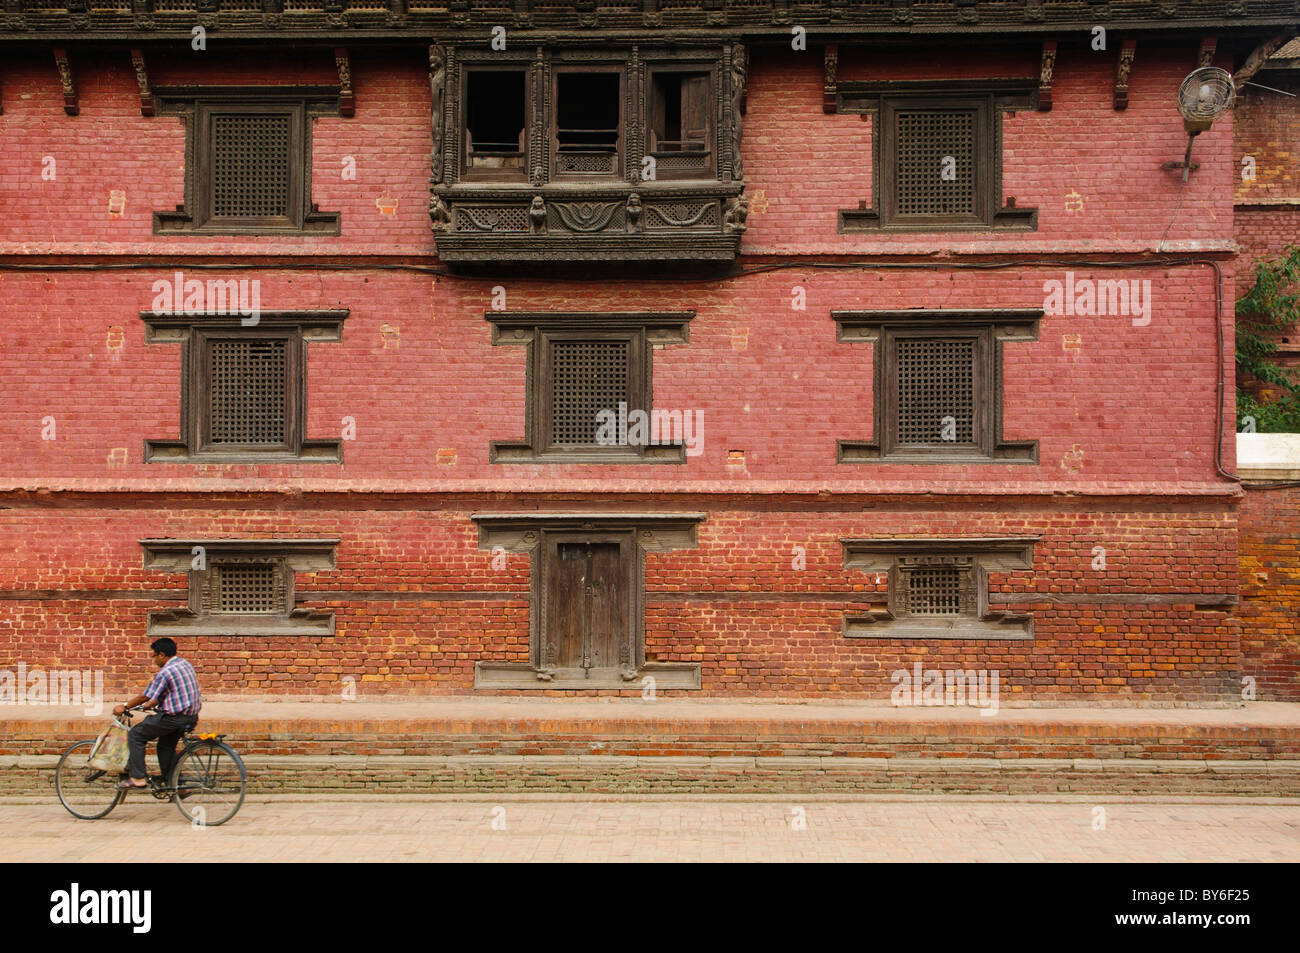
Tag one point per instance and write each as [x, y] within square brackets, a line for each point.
[248, 388]
[251, 165]
[586, 378]
[936, 388]
[935, 162]
[695, 109]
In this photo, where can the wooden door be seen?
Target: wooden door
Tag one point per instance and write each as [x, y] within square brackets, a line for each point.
[586, 604]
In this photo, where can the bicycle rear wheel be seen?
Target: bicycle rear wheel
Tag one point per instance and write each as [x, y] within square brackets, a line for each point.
[211, 778]
[87, 793]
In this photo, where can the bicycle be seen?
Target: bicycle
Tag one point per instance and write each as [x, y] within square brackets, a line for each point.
[207, 777]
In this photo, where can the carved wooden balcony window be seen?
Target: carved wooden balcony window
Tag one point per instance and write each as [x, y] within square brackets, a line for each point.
[585, 370]
[240, 587]
[244, 390]
[681, 125]
[496, 128]
[588, 123]
[939, 588]
[938, 385]
[937, 161]
[248, 161]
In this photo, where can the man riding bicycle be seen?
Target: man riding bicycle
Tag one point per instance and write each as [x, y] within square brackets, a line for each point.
[174, 692]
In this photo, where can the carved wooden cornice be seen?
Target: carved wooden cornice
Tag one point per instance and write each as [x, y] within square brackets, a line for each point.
[332, 21]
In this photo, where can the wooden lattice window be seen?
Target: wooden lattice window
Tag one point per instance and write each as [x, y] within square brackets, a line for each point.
[938, 154]
[252, 165]
[937, 168]
[938, 588]
[248, 165]
[248, 392]
[240, 586]
[589, 378]
[935, 162]
[244, 587]
[244, 388]
[938, 385]
[936, 395]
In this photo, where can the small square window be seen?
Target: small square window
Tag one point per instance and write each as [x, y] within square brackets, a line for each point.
[249, 163]
[938, 588]
[245, 588]
[937, 385]
[243, 389]
[937, 162]
[589, 391]
[240, 587]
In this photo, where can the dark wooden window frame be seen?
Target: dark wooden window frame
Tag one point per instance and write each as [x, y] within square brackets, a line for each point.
[198, 106]
[538, 330]
[504, 176]
[621, 146]
[989, 98]
[194, 332]
[198, 618]
[708, 170]
[973, 558]
[638, 534]
[990, 329]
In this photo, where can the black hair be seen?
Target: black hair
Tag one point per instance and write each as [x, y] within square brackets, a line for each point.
[164, 645]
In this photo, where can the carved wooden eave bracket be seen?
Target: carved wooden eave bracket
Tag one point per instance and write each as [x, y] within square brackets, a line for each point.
[1205, 55]
[1124, 72]
[70, 104]
[142, 81]
[1259, 57]
[1045, 73]
[830, 77]
[347, 97]
[975, 556]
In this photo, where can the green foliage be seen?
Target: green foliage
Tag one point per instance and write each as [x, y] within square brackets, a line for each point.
[1270, 308]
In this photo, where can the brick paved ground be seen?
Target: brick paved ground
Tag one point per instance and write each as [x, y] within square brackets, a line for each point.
[576, 828]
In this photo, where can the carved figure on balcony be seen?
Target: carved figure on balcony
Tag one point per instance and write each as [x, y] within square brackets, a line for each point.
[537, 214]
[737, 211]
[633, 212]
[439, 214]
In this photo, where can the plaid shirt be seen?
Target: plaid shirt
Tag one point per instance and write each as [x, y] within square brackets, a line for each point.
[176, 688]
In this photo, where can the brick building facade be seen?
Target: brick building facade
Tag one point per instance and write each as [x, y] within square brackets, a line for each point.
[867, 271]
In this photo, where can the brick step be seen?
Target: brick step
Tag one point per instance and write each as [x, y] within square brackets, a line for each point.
[1266, 732]
[32, 775]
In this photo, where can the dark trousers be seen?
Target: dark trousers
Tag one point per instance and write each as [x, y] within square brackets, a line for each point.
[167, 729]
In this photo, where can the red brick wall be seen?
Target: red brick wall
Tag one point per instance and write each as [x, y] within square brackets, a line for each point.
[787, 644]
[1111, 404]
[1270, 592]
[1124, 414]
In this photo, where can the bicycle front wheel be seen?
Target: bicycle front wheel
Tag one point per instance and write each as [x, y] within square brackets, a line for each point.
[87, 793]
[209, 780]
